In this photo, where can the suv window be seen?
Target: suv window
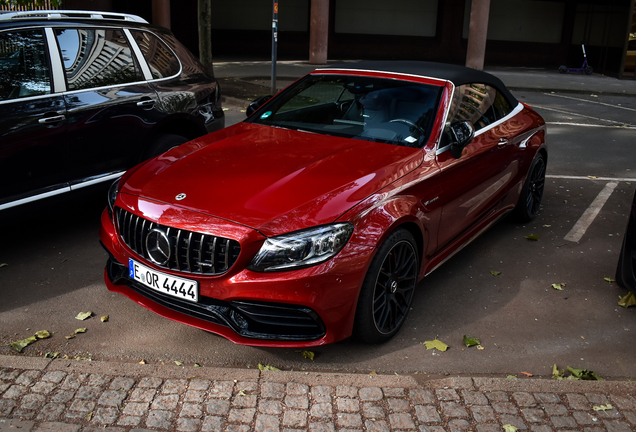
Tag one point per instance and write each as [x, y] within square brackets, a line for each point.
[160, 58]
[24, 66]
[96, 58]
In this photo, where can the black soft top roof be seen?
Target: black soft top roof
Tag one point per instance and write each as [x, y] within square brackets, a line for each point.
[458, 75]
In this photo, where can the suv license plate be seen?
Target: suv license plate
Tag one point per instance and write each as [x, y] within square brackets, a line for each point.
[185, 289]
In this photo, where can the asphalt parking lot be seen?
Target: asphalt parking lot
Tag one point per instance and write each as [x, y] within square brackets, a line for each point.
[55, 263]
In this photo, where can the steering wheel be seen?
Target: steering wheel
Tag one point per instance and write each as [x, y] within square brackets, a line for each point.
[410, 123]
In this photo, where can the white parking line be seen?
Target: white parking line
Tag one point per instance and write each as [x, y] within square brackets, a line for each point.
[580, 115]
[590, 101]
[584, 222]
[567, 177]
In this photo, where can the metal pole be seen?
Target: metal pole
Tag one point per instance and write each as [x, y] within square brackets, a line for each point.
[274, 44]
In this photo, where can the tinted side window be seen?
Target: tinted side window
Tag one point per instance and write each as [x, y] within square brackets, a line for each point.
[96, 58]
[24, 65]
[501, 106]
[161, 60]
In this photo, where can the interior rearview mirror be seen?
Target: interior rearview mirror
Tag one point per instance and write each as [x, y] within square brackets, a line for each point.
[462, 133]
[257, 104]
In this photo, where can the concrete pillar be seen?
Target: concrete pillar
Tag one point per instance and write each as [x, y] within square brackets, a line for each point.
[319, 31]
[477, 33]
[161, 13]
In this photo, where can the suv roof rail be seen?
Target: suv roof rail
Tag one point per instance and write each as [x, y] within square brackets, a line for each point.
[74, 14]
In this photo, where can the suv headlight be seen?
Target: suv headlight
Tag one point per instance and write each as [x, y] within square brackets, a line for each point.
[301, 249]
[112, 195]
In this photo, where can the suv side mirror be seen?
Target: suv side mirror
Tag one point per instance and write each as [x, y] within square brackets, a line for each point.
[257, 104]
[462, 133]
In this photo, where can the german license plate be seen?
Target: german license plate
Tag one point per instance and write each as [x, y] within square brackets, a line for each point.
[182, 288]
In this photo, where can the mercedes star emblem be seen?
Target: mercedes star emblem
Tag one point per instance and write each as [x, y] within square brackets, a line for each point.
[158, 246]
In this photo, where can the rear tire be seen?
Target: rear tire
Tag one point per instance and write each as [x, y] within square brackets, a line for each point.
[588, 70]
[163, 143]
[387, 290]
[563, 69]
[530, 199]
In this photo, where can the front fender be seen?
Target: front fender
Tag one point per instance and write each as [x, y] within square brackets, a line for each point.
[377, 222]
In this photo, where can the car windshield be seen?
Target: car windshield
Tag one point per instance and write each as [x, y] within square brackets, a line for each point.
[374, 109]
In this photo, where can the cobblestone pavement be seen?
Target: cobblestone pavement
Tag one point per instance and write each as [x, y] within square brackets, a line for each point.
[61, 395]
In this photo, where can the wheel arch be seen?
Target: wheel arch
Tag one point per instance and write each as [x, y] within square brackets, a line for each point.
[175, 126]
[405, 212]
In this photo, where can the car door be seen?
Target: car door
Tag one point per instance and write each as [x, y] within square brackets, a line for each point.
[474, 184]
[111, 107]
[32, 120]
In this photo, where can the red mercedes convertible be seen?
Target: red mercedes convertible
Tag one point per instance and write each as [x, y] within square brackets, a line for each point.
[315, 219]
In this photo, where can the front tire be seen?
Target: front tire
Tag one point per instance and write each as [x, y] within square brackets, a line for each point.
[530, 199]
[388, 288]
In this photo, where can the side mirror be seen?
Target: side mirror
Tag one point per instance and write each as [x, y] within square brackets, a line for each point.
[257, 104]
[462, 133]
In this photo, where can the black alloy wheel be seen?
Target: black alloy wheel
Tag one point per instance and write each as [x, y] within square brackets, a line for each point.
[530, 200]
[388, 288]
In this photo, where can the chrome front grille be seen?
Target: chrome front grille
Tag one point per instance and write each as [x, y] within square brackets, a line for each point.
[190, 251]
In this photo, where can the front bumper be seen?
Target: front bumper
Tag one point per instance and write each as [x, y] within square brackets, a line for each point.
[302, 308]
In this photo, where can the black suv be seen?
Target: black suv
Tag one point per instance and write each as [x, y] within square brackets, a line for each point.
[86, 95]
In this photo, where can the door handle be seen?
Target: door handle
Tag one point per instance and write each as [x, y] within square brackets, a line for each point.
[51, 120]
[149, 103]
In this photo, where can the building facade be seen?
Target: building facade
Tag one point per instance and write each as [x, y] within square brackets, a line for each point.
[521, 33]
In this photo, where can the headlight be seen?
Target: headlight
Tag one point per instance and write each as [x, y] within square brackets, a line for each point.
[112, 195]
[301, 248]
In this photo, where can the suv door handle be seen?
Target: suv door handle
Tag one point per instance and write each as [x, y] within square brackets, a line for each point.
[51, 120]
[148, 103]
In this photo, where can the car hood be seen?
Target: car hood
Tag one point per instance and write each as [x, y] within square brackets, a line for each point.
[271, 179]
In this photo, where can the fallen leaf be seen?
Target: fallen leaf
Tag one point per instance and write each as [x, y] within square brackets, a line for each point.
[511, 377]
[565, 201]
[373, 373]
[584, 374]
[52, 355]
[178, 363]
[21, 344]
[3, 265]
[70, 336]
[308, 354]
[528, 374]
[42, 334]
[557, 373]
[84, 315]
[592, 176]
[479, 347]
[602, 407]
[104, 318]
[436, 344]
[197, 365]
[628, 300]
[557, 287]
[89, 416]
[495, 272]
[267, 367]
[509, 428]
[532, 237]
[80, 330]
[610, 280]
[547, 226]
[241, 393]
[142, 361]
[468, 341]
